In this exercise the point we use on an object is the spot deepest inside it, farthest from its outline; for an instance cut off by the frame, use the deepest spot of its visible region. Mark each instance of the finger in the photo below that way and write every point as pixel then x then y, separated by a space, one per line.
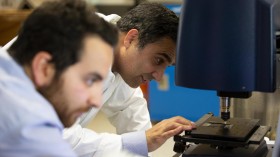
pixel 174 125
pixel 183 120
pixel 173 132
pixel 193 125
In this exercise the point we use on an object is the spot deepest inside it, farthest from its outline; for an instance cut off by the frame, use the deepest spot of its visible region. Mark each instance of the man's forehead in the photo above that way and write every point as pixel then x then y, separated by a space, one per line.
pixel 168 46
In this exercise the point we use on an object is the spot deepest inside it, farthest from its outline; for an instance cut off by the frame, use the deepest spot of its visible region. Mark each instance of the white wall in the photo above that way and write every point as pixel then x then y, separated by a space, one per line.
pixel 167 1
pixel 130 2
pixel 112 2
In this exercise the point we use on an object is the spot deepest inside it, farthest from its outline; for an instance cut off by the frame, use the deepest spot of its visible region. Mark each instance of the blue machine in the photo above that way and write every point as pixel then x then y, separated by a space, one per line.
pixel 167 100
pixel 228 46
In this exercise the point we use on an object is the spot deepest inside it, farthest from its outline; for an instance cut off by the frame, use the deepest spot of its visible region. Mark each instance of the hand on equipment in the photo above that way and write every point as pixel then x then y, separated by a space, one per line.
pixel 165 129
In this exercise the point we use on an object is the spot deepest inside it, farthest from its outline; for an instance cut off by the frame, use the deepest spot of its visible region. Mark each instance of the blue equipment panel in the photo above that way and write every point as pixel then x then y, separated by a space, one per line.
pixel 167 100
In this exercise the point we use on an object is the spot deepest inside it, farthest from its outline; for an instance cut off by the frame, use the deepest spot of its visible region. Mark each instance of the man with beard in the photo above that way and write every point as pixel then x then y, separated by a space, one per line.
pixel 50 75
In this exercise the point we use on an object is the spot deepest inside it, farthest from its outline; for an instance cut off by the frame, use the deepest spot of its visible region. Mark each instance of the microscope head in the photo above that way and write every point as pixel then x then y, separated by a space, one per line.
pixel 228 46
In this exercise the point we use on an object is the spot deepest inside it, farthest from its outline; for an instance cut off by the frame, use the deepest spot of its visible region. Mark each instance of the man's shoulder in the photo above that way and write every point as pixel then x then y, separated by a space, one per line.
pixel 122 88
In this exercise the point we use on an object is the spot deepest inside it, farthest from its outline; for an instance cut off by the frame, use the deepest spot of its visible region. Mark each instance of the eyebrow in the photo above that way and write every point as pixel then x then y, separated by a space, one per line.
pixel 167 57
pixel 97 75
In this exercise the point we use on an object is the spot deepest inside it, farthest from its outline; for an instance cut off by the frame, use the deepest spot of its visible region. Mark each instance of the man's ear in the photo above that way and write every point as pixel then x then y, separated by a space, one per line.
pixel 132 35
pixel 42 70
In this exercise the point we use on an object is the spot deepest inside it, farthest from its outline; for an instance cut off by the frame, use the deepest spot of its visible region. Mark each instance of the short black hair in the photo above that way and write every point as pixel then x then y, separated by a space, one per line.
pixel 152 20
pixel 59 27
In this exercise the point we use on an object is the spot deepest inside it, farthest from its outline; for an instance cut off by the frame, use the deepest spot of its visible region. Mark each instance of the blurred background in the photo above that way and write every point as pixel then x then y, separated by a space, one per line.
pixel 13 12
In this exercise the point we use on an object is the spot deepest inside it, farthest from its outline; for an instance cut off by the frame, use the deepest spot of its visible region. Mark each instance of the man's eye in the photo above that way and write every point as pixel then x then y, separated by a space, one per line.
pixel 91 81
pixel 159 61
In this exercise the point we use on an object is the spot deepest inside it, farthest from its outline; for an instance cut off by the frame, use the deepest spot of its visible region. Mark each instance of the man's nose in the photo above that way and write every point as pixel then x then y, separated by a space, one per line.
pixel 158 74
pixel 95 97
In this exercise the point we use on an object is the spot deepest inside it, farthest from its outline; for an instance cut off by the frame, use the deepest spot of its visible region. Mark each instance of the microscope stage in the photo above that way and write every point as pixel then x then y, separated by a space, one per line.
pixel 237 132
pixel 213 137
pixel 235 129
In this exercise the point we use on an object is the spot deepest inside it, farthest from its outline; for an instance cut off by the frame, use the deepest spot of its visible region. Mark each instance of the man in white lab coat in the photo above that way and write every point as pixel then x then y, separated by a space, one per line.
pixel 147 42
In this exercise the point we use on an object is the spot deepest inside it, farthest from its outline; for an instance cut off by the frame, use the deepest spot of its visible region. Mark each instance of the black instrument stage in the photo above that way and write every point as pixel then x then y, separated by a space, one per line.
pixel 215 137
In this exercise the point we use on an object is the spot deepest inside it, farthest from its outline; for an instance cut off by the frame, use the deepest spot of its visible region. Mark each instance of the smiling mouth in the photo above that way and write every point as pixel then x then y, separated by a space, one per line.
pixel 143 80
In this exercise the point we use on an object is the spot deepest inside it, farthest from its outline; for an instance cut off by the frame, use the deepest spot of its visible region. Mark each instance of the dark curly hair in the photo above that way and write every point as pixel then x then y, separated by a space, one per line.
pixel 152 20
pixel 59 27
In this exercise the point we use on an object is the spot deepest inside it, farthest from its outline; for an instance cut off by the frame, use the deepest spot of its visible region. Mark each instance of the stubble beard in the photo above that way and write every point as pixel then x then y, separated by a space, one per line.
pixel 54 96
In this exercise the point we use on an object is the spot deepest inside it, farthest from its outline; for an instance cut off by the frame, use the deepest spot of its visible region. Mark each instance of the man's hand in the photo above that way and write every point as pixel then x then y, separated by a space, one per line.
pixel 165 129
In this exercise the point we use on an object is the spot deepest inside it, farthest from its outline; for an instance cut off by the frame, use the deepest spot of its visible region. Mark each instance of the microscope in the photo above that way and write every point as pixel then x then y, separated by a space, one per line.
pixel 229 46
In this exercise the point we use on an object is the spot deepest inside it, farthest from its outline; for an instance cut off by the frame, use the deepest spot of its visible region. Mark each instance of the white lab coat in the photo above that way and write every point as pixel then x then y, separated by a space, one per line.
pixel 125 108
pixel 127 111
